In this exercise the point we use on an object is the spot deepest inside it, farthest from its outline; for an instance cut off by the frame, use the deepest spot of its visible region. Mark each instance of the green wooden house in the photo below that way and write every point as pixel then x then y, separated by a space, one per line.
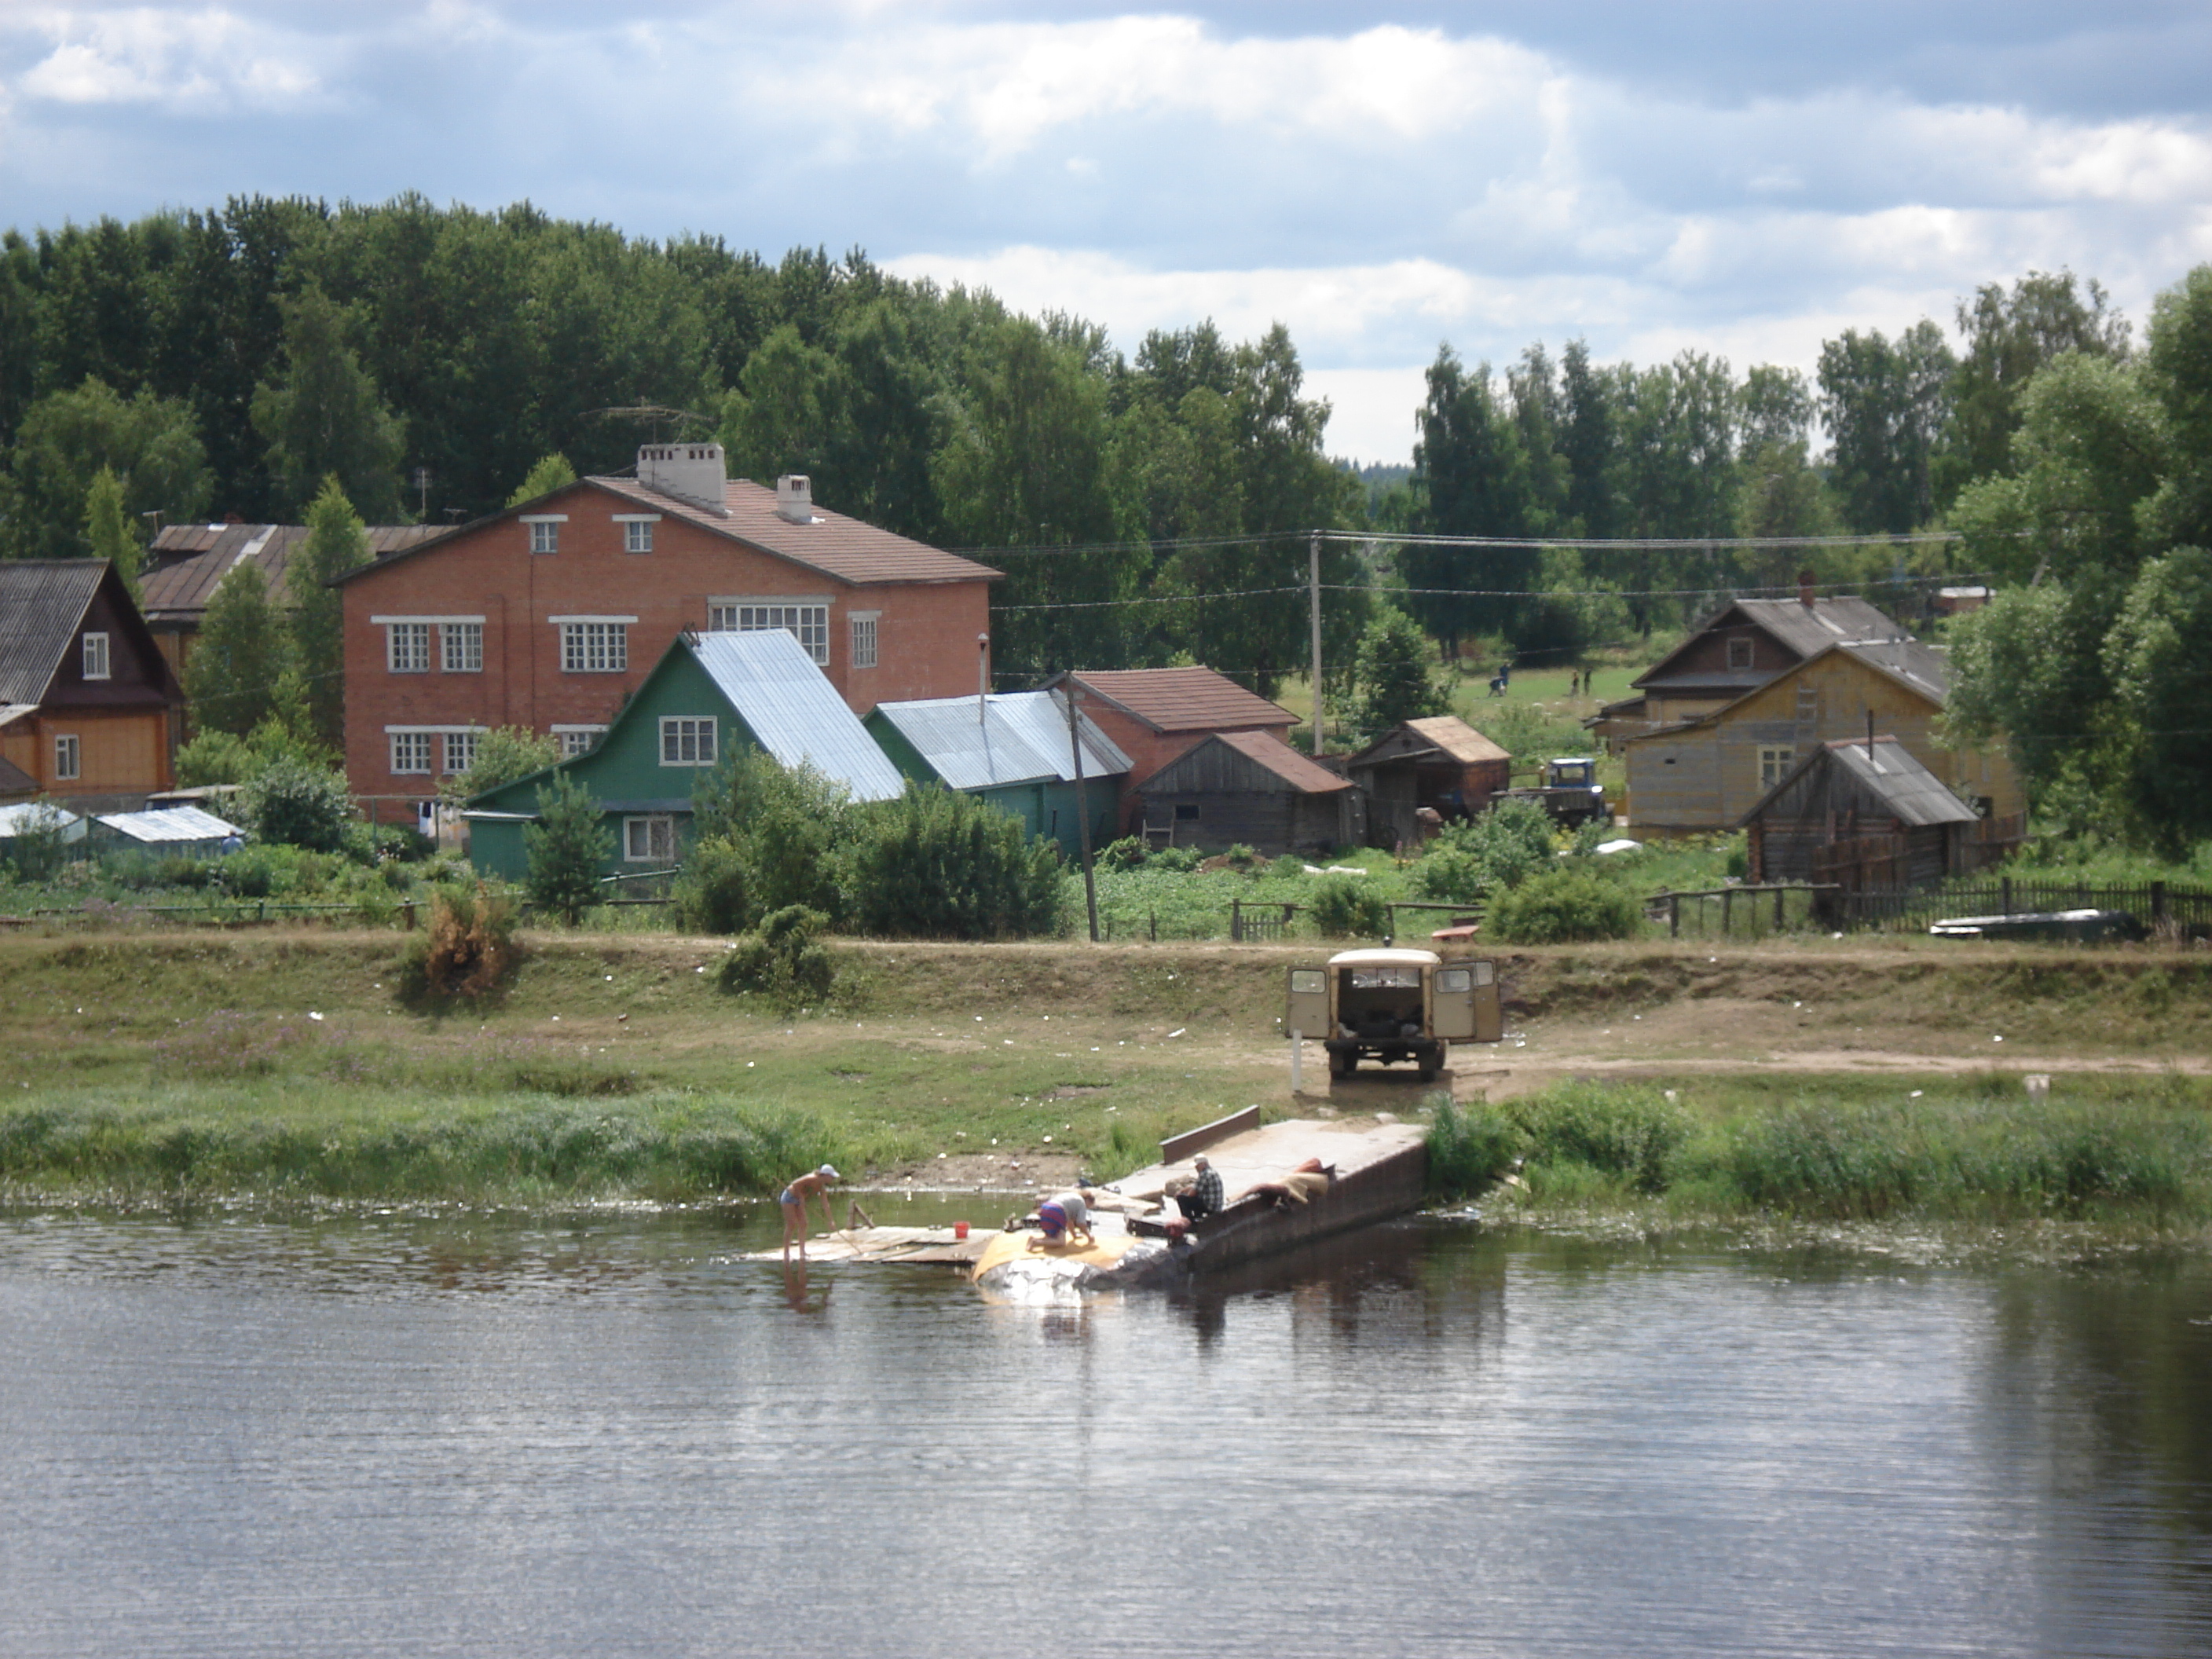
pixel 708 693
pixel 1012 749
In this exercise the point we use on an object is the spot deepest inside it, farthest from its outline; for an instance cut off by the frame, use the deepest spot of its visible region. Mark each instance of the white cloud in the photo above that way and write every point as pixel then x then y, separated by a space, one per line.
pixel 197 61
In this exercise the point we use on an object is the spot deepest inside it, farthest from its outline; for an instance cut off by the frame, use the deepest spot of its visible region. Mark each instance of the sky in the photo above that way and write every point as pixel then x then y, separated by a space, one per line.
pixel 1741 179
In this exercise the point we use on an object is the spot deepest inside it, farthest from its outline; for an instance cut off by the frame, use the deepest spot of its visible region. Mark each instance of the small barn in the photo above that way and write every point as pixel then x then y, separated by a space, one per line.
pixel 1012 749
pixel 1855 803
pixel 1252 789
pixel 1443 764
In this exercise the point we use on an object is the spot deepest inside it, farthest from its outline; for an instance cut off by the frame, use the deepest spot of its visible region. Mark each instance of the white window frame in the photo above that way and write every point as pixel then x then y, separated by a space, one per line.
pixel 460 647
pixel 69 757
pixel 580 634
pixel 689 740
pixel 577 740
pixel 408 744
pixel 407 647
pixel 464 739
pixel 95 659
pixel 1775 761
pixel 647 824
pixel 864 637
pixel 637 531
pixel 804 617
pixel 544 531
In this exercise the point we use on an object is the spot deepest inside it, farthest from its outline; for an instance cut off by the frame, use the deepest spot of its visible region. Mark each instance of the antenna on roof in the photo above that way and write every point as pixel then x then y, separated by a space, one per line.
pixel 658 413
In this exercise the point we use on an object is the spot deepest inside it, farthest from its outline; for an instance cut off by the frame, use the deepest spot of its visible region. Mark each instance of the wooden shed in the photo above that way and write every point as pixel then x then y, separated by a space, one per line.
pixel 1253 789
pixel 1857 802
pixel 1443 764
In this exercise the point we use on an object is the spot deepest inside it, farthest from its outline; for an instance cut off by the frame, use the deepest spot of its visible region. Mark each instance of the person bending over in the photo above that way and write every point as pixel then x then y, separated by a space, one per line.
pixel 1064 1218
pixel 793 1199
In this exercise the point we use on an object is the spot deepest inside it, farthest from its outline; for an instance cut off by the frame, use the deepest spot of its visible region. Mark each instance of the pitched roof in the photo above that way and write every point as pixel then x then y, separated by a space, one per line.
pixel 844 548
pixel 168 824
pixel 1180 699
pixel 42 602
pixel 1458 739
pixel 793 709
pixel 1806 629
pixel 190 559
pixel 1885 769
pixel 1022 738
pixel 1262 749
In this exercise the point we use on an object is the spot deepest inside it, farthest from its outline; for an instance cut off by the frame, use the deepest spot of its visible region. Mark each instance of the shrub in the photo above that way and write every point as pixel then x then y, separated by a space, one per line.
pixel 468 950
pixel 504 754
pixel 1344 907
pixel 1562 905
pixel 714 893
pixel 937 864
pixel 782 960
pixel 1243 857
pixel 1470 1147
pixel 1498 848
pixel 1127 853
pixel 1629 1132
pixel 36 851
pixel 788 825
pixel 298 803
pixel 250 874
pixel 1287 867
pixel 565 847
pixel 1181 860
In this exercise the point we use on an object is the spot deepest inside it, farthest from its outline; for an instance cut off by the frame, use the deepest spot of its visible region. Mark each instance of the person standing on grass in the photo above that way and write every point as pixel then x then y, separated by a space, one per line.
pixel 793 1199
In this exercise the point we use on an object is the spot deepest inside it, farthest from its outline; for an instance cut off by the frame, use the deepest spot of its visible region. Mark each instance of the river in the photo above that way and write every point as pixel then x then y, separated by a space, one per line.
pixel 232 1434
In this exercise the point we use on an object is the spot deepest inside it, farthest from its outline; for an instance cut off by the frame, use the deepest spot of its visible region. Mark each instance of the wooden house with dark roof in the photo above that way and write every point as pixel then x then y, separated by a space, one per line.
pixel 89 710
pixel 1441 764
pixel 547 615
pixel 1253 789
pixel 1154 715
pixel 1857 801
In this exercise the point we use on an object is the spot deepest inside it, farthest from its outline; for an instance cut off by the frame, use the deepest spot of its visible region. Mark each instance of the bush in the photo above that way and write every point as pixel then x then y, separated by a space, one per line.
pixel 1346 907
pixel 468 951
pixel 1629 1133
pixel 298 803
pixel 1470 1147
pixel 714 893
pixel 787 825
pixel 1287 867
pixel 1563 906
pixel 937 864
pixel 565 847
pixel 1243 857
pixel 1181 860
pixel 250 874
pixel 1127 853
pixel 782 960
pixel 1498 848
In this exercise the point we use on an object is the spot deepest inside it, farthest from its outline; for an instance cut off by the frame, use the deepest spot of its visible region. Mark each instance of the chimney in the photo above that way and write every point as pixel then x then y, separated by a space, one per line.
pixel 691 472
pixel 794 499
pixel 1805 588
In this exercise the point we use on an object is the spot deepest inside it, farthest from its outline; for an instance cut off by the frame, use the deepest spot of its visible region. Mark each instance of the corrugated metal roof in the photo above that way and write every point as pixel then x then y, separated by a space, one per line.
pixel 1021 737
pixel 168 823
pixel 190 559
pixel 1921 665
pixel 794 711
pixel 42 601
pixel 1909 790
pixel 1181 699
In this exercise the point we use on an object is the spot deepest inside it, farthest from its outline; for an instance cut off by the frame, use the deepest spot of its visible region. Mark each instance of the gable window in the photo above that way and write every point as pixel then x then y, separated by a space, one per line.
pixel 686 741
pixel 1774 765
pixel 407 648
pixel 637 531
pixel 1739 652
pixel 649 840
pixel 68 755
pixel 464 647
pixel 460 751
pixel 544 531
pixel 594 644
pixel 805 621
pixel 410 752
pixel 864 638
pixel 577 739
pixel 95 656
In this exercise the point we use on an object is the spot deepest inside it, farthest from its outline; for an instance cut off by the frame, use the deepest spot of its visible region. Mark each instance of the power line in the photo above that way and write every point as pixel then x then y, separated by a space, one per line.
pixel 1419 539
pixel 1733 591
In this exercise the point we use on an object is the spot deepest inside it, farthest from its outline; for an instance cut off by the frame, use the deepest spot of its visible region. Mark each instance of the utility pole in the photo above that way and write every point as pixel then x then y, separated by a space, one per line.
pixel 1082 812
pixel 1313 583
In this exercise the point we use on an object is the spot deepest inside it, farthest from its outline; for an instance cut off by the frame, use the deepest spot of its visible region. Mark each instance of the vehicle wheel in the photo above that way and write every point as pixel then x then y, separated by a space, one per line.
pixel 1341 1064
pixel 1428 1073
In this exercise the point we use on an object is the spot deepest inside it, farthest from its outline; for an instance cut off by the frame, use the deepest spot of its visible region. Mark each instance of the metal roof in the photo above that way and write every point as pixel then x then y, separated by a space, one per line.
pixel 1806 629
pixel 169 823
pixel 1385 957
pixel 1886 770
pixel 42 603
pixel 1020 737
pixel 189 560
pixel 794 711
pixel 32 814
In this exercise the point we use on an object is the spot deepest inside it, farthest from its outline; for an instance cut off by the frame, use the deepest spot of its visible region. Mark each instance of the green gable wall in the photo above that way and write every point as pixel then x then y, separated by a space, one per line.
pixel 1045 809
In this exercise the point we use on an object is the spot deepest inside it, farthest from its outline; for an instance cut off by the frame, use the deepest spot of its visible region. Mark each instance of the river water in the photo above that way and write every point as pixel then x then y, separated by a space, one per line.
pixel 226 1434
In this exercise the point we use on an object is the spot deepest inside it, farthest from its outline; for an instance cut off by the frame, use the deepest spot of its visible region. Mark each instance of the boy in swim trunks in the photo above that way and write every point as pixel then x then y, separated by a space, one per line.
pixel 793 1199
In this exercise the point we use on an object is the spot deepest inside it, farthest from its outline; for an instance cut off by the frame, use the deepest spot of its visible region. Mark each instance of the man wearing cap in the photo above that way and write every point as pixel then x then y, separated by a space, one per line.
pixel 1204 1197
pixel 793 1199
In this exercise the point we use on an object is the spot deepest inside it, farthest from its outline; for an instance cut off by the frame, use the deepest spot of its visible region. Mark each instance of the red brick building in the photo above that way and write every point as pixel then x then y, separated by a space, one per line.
pixel 549 615
pixel 1155 715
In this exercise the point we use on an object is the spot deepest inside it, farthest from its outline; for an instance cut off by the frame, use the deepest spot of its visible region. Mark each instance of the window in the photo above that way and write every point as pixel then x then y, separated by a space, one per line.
pixel 577 739
pixel 464 647
pixel 864 639
pixel 1739 652
pixel 637 536
pixel 649 840
pixel 1186 811
pixel 95 656
pixel 1308 981
pixel 807 624
pixel 1774 766
pixel 460 751
pixel 410 752
pixel 1808 703
pixel 545 531
pixel 594 647
pixel 67 756
pixel 408 647
pixel 685 741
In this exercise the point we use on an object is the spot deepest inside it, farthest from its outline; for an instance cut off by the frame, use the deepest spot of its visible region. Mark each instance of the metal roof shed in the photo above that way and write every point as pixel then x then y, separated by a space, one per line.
pixel 1850 791
pixel 1012 750
pixel 168 830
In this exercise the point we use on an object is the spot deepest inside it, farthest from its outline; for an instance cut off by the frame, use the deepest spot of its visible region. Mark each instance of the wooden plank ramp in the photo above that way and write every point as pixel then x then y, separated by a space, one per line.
pixel 932 1246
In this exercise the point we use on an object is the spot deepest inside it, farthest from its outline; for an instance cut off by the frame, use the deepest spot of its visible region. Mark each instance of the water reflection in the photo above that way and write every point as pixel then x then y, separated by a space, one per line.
pixel 232 1433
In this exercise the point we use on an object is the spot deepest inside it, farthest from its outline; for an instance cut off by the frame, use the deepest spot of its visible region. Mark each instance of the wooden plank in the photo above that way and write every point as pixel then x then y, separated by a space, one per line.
pixel 1176 1148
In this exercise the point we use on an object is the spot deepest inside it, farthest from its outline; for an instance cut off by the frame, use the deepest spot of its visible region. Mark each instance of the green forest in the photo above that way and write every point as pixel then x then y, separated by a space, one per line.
pixel 1154 506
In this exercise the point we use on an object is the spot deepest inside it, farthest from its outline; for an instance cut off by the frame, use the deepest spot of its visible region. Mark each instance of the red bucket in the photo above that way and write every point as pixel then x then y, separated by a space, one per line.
pixel 960 1230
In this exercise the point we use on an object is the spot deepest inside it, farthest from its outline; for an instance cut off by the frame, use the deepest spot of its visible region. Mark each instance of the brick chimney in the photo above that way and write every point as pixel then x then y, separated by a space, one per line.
pixel 1805 588
pixel 691 472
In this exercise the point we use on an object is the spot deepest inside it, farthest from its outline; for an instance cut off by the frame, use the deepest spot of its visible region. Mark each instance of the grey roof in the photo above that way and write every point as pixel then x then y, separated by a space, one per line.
pixel 1919 665
pixel 190 560
pixel 1885 769
pixel 32 814
pixel 1806 629
pixel 1021 737
pixel 794 711
pixel 42 601
pixel 168 824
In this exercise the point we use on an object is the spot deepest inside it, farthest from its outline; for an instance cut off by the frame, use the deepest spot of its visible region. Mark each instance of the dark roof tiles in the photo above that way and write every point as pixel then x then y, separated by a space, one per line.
pixel 1182 699
pixel 42 601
